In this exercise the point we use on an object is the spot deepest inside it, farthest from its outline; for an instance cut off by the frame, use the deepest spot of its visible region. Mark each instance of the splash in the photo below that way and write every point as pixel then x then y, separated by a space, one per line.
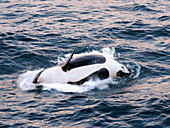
pixel 25 79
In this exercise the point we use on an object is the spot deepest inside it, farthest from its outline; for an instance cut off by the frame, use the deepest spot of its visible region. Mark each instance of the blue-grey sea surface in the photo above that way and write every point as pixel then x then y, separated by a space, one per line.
pixel 37 34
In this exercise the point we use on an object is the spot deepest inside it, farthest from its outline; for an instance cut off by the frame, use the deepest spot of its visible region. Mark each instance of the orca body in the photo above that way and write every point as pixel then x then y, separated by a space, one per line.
pixel 81 69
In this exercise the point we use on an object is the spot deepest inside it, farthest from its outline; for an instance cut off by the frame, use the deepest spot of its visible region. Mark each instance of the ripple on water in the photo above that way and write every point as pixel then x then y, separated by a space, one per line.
pixel 40 34
pixel 135 7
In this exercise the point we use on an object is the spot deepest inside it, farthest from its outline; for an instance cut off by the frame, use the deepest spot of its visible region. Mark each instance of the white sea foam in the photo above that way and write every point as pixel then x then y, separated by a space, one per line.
pixel 25 79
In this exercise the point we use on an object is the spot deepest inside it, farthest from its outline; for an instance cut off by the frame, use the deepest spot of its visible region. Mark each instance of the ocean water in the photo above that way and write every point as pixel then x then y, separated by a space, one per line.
pixel 37 34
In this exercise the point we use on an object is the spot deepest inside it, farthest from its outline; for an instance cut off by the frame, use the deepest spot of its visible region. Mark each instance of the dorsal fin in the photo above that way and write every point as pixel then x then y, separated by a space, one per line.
pixel 65 66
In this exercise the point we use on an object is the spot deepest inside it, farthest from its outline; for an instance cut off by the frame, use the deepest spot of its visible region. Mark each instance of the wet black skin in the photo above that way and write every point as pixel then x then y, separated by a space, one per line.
pixel 100 74
pixel 88 60
pixel 36 77
pixel 122 74
pixel 84 61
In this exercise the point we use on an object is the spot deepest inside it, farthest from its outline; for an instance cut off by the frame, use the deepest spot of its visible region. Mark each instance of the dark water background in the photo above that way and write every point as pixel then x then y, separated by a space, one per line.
pixel 33 33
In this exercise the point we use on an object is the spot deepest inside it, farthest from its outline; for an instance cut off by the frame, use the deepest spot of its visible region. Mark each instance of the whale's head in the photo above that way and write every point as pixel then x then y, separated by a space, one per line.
pixel 122 72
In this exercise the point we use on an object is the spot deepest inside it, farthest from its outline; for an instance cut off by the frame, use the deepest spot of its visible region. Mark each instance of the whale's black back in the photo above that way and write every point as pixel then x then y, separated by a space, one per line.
pixel 86 60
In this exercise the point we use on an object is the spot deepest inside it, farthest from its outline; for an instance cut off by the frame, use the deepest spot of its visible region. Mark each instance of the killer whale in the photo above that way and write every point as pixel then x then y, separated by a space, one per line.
pixel 81 69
